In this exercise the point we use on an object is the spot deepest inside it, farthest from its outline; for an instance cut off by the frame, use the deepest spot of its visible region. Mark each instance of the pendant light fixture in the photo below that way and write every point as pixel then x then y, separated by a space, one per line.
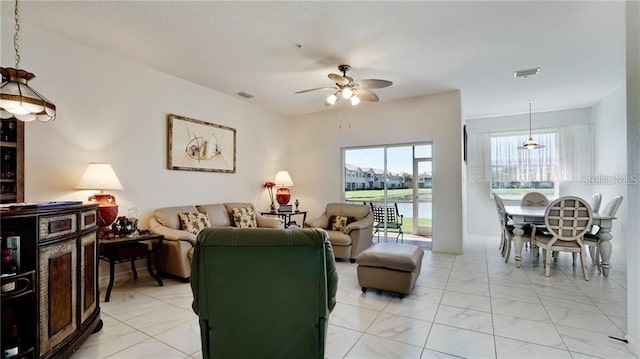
pixel 530 144
pixel 17 98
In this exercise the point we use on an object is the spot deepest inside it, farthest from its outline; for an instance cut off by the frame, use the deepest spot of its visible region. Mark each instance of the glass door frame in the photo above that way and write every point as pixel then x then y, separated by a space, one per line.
pixel 418 230
pixel 414 159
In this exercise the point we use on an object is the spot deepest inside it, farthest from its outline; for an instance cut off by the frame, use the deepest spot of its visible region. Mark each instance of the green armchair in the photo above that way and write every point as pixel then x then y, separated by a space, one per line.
pixel 263 293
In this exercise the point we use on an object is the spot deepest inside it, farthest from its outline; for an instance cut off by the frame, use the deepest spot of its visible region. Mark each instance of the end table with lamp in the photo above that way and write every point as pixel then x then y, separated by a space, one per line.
pixel 286 217
pixel 129 248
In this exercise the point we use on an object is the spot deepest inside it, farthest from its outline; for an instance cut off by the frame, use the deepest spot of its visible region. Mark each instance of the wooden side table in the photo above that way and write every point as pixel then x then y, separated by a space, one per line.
pixel 124 249
pixel 286 217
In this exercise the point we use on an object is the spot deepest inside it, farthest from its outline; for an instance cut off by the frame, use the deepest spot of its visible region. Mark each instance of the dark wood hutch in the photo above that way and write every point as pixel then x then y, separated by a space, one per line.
pixel 53 296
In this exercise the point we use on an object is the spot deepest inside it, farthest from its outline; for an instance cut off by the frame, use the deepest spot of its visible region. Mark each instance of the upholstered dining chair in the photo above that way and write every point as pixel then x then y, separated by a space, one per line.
pixel 595 201
pixel 591 238
pixel 567 220
pixel 534 199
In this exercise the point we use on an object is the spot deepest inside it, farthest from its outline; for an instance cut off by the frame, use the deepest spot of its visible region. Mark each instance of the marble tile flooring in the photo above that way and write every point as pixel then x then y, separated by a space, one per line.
pixel 472 305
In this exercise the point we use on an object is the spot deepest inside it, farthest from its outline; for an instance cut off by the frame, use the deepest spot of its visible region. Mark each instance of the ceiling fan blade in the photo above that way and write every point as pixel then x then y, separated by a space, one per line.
pixel 366 95
pixel 374 84
pixel 317 88
pixel 340 80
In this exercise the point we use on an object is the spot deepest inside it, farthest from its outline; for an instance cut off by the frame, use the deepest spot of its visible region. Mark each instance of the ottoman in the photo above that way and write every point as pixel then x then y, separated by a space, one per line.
pixel 390 267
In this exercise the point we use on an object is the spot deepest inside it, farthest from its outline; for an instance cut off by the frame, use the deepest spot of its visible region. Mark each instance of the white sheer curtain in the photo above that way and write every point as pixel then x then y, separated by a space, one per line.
pixel 567 155
pixel 511 164
pixel 479 157
pixel 575 152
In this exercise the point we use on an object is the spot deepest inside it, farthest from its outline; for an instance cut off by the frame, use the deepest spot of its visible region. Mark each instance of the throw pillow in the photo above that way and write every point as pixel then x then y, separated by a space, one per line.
pixel 339 223
pixel 244 217
pixel 194 222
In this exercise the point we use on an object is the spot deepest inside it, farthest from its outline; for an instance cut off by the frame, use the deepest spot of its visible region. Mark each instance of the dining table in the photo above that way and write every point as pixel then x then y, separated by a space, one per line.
pixel 521 215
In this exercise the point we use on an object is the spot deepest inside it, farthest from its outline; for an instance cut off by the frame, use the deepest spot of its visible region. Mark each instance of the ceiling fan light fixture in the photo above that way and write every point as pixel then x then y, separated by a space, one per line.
pixel 346 87
pixel 347 93
pixel 331 99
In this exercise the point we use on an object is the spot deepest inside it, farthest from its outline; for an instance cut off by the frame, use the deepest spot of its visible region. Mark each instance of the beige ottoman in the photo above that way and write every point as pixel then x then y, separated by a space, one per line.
pixel 390 267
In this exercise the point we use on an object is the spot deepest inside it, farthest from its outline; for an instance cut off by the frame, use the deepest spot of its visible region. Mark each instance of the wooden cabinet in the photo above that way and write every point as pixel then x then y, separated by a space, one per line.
pixel 11 161
pixel 53 297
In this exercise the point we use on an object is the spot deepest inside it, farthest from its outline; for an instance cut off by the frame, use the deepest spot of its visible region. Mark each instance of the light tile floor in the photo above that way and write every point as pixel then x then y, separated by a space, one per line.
pixel 472 305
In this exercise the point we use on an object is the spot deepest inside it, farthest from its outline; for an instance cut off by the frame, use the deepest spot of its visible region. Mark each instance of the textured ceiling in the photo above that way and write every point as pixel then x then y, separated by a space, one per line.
pixel 423 47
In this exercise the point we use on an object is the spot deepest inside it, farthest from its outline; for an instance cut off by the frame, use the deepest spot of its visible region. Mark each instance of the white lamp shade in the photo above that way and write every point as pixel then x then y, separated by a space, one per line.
pixel 283 179
pixel 354 100
pixel 99 176
pixel 331 100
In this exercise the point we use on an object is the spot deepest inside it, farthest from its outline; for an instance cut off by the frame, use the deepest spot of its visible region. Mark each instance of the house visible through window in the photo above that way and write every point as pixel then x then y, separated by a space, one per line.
pixel 393 175
pixel 515 171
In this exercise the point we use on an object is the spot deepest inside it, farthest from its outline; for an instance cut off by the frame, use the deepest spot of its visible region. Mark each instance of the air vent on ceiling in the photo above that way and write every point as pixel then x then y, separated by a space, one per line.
pixel 526 73
pixel 244 94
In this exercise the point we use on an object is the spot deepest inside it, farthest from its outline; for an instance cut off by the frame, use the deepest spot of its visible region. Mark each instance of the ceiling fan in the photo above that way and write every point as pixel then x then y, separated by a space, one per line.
pixel 349 89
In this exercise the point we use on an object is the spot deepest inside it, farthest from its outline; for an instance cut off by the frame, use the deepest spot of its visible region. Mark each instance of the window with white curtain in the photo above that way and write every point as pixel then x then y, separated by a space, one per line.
pixel 515 171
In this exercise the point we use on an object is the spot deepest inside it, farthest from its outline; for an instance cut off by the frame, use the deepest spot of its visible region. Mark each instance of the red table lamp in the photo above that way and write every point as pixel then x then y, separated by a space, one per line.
pixel 100 176
pixel 283 180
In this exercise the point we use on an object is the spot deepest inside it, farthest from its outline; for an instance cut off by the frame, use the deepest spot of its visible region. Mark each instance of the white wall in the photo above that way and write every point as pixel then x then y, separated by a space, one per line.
pixel 633 149
pixel 610 162
pixel 114 111
pixel 481 215
pixel 314 158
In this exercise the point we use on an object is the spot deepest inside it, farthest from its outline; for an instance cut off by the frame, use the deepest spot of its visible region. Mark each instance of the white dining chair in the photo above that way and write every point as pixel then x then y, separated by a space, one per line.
pixel 591 238
pixel 506 236
pixel 567 220
pixel 595 201
pixel 534 199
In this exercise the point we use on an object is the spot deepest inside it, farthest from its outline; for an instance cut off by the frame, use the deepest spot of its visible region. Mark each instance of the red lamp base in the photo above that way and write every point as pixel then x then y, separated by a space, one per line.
pixel 107 213
pixel 283 195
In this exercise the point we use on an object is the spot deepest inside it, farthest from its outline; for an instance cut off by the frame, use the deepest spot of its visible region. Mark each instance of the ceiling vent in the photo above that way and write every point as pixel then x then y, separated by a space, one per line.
pixel 526 73
pixel 244 94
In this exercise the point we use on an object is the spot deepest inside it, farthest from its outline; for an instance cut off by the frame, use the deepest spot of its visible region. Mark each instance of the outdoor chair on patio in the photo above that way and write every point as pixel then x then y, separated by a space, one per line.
pixel 388 217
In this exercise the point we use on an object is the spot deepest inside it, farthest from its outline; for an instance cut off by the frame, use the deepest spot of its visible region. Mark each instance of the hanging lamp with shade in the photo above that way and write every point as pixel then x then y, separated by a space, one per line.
pixel 530 144
pixel 17 98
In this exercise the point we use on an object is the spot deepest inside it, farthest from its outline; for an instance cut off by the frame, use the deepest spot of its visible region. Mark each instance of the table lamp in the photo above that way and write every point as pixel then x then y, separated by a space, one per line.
pixel 283 195
pixel 100 176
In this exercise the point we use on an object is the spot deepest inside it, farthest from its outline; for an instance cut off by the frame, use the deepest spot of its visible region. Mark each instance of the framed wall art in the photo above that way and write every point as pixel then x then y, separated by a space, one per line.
pixel 195 145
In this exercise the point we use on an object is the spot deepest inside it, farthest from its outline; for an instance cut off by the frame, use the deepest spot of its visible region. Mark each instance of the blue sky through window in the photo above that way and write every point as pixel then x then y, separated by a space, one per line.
pixel 399 158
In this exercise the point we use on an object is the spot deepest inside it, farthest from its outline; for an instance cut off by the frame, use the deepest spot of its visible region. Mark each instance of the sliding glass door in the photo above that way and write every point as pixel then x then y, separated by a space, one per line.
pixel 392 175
